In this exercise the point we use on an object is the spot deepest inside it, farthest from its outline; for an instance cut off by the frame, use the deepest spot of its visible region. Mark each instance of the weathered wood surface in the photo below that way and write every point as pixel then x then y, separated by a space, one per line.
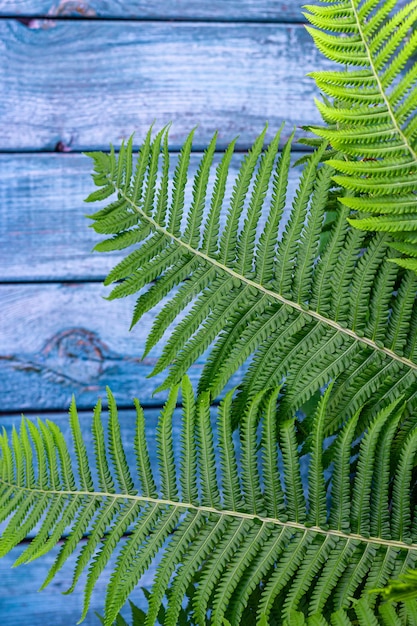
pixel 242 10
pixel 271 10
pixel 43 232
pixel 63 339
pixel 21 603
pixel 60 339
pixel 80 85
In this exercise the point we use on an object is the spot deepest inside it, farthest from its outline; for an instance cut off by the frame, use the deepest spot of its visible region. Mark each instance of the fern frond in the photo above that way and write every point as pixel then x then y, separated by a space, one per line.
pixel 372 119
pixel 310 557
pixel 402 589
pixel 294 312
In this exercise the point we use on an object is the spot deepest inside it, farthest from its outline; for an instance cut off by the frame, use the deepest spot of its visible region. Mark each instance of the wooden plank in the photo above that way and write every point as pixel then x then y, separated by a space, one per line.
pixel 271 10
pixel 21 603
pixel 43 232
pixel 80 85
pixel 165 9
pixel 127 419
pixel 62 339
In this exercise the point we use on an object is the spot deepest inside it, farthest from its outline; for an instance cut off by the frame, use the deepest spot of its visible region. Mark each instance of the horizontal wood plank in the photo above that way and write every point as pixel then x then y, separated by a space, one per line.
pixel 165 9
pixel 43 232
pixel 127 420
pixel 62 339
pixel 276 10
pixel 22 603
pixel 80 85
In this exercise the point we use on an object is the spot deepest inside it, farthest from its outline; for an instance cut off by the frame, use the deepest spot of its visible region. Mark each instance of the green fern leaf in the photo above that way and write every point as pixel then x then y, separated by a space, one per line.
pixel 297 558
pixel 372 116
pixel 292 311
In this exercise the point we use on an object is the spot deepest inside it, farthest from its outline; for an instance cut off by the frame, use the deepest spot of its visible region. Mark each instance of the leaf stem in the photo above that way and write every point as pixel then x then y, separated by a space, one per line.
pixel 388 543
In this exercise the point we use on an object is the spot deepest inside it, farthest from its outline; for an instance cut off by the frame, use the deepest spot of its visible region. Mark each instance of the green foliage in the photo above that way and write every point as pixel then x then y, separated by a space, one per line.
pixel 248 528
pixel 311 505
pixel 361 614
pixel 402 589
pixel 371 116
pixel 256 296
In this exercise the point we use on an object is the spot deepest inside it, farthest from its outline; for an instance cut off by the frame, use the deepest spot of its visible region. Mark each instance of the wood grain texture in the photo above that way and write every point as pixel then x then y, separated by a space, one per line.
pixel 43 232
pixel 271 10
pixel 21 603
pixel 81 85
pixel 62 339
pixel 165 9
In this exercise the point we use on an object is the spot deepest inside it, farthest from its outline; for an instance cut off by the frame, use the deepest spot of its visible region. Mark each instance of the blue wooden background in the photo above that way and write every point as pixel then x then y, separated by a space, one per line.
pixel 75 76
